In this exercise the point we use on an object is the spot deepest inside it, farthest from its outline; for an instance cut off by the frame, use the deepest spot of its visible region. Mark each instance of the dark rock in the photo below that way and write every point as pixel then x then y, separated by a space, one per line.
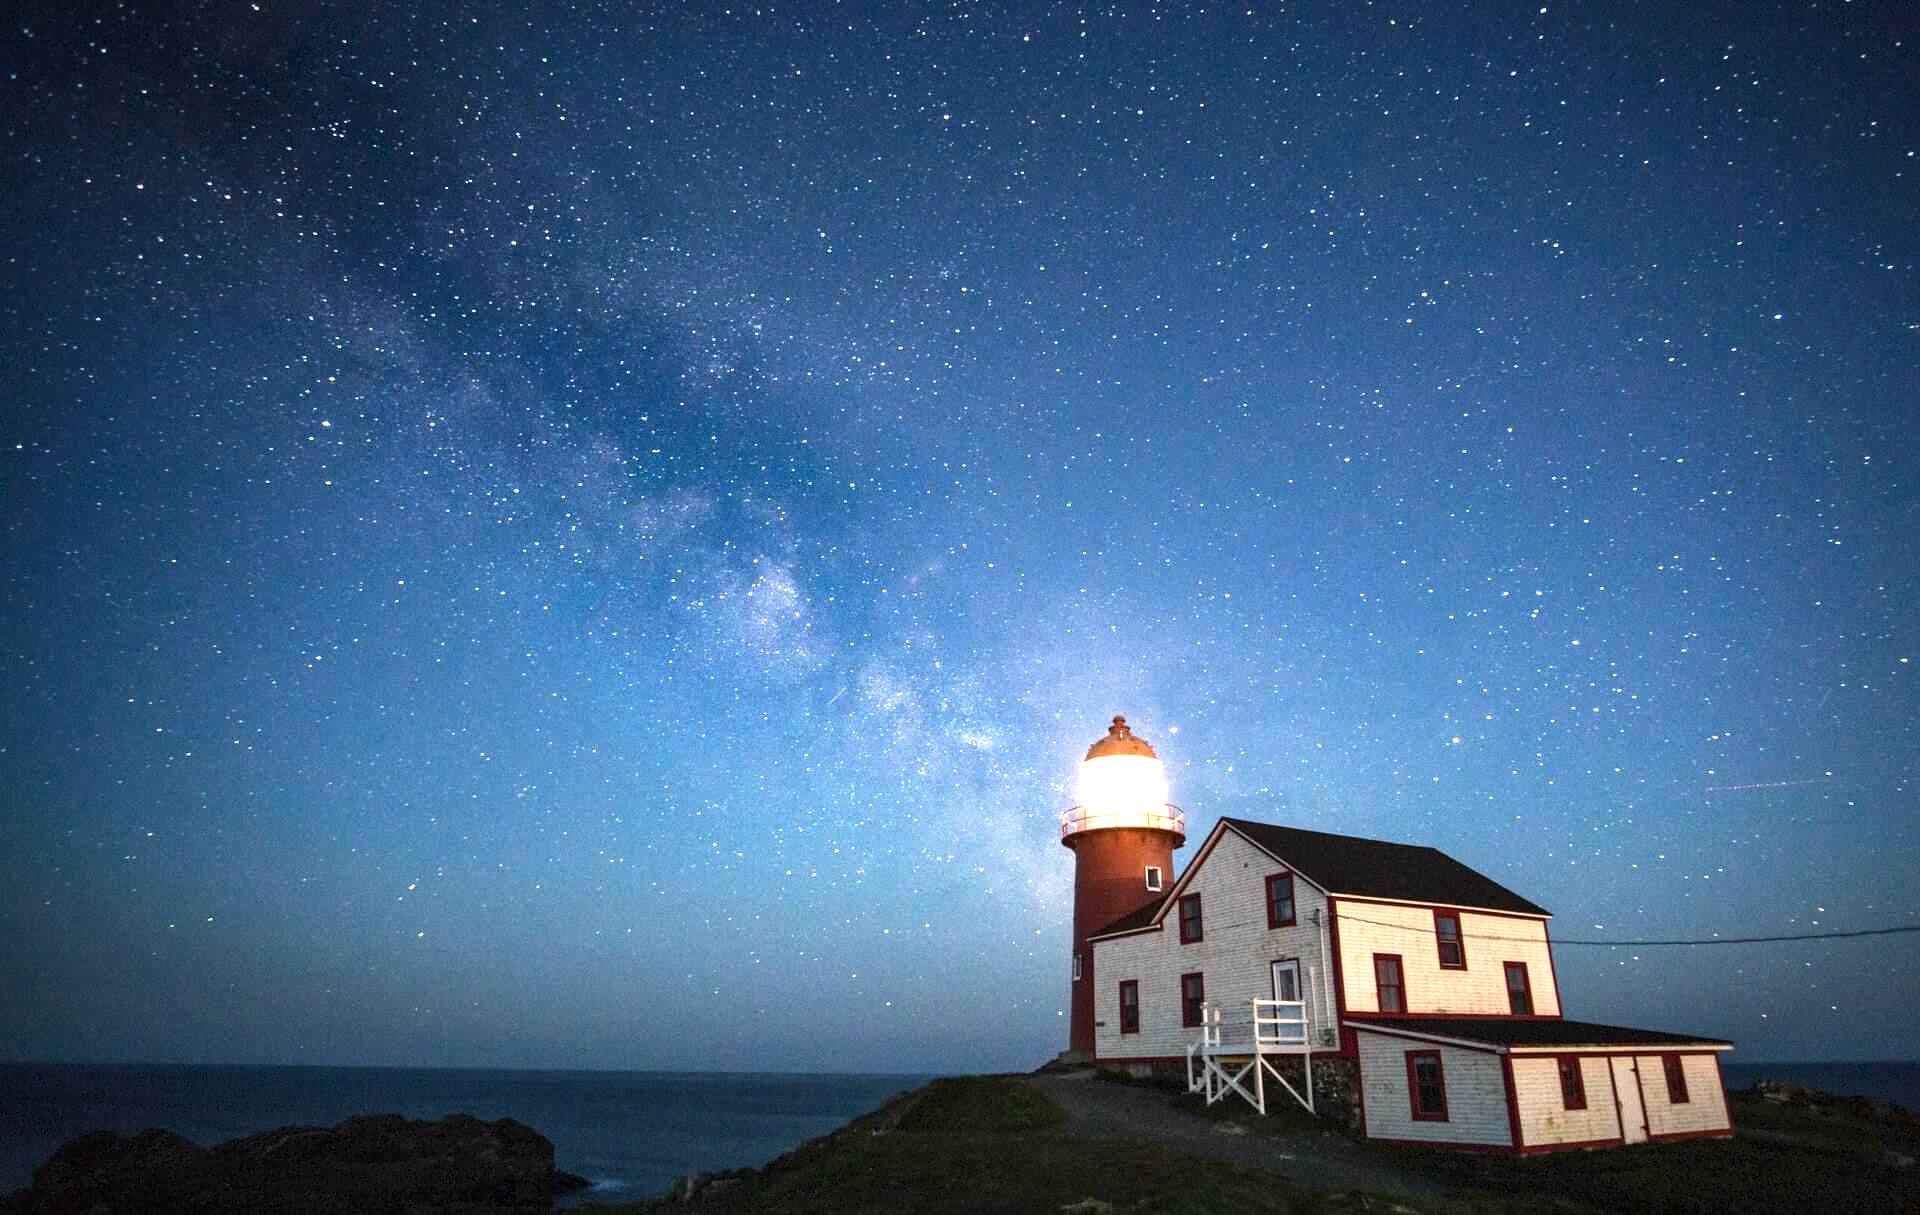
pixel 99 1168
pixel 569 1183
pixel 1867 1109
pixel 375 1165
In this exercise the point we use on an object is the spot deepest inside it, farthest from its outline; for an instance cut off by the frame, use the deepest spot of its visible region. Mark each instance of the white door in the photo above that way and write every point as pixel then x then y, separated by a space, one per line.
pixel 1286 986
pixel 1626 1096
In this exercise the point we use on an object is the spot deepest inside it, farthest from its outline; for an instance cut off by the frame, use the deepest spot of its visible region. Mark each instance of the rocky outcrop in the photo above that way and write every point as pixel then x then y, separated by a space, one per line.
pixel 456 1166
pixel 1870 1109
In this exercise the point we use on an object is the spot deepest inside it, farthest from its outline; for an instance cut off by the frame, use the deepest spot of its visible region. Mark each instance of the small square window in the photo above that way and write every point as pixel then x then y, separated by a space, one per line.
pixel 1076 968
pixel 1153 877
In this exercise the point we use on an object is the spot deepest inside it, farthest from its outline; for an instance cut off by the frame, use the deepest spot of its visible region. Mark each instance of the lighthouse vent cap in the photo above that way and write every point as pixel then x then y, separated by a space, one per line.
pixel 1120 740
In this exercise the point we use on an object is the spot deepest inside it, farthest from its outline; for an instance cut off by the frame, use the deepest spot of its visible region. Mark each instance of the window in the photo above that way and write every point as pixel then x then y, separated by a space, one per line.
pixel 1193 994
pixel 1130 1006
pixel 1573 1085
pixel 1519 991
pixel 1389 982
pixel 1280 900
pixel 1153 877
pixel 1453 949
pixel 1676 1079
pixel 1426 1086
pixel 1189 919
pixel 1076 968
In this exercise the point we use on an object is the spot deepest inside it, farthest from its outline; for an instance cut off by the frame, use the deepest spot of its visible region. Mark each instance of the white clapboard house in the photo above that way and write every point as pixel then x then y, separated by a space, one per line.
pixel 1430 986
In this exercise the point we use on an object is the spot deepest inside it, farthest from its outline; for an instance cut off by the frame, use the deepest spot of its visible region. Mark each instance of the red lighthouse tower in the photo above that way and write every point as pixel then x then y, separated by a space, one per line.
pixel 1123 833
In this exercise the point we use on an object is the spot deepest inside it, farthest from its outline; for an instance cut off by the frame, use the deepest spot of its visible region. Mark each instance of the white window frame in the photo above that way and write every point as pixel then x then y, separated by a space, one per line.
pixel 1153 878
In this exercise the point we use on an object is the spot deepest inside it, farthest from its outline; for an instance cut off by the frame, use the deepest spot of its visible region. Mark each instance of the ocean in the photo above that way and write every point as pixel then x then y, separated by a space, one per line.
pixel 1895 1082
pixel 632 1133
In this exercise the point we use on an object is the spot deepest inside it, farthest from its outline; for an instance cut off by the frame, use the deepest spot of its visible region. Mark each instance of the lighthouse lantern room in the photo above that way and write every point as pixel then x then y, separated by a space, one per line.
pixel 1123 833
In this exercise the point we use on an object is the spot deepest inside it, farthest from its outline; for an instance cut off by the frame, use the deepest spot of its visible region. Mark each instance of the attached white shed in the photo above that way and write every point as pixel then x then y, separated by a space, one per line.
pixel 1505 1084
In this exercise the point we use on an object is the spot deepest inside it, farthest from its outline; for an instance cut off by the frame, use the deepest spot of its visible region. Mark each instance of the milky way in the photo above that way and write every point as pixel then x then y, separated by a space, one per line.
pixel 597 539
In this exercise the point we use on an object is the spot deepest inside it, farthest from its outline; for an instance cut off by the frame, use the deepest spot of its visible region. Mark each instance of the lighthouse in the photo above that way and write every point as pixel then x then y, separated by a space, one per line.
pixel 1122 833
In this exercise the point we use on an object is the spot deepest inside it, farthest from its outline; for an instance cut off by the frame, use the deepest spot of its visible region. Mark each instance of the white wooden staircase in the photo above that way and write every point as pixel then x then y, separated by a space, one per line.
pixel 1236 1053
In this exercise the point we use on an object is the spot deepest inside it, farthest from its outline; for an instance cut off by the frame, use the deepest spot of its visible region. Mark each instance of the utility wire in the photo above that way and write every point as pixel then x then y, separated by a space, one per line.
pixel 1489 936
pixel 1805 936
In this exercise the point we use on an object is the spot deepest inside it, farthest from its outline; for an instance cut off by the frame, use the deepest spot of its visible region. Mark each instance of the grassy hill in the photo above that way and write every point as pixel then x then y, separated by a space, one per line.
pixel 996 1144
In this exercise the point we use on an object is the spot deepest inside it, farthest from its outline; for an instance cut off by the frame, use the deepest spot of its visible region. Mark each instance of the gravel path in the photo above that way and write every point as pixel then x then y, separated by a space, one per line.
pixel 1325 1159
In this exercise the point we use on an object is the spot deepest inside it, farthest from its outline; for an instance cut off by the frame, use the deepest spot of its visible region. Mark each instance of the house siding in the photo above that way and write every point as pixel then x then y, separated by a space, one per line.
pixel 1544 1118
pixel 1368 928
pixel 1235 955
pixel 1704 1114
pixel 1476 1094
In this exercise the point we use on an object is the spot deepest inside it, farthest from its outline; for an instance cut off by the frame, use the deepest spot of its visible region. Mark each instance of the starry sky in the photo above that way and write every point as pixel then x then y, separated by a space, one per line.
pixel 596 536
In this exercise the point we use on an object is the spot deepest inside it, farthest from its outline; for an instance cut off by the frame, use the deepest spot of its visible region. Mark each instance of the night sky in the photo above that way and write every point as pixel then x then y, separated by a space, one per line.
pixel 598 539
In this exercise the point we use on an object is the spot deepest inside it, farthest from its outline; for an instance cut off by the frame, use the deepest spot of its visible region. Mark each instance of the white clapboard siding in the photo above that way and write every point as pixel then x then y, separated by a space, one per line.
pixel 1476 1094
pixel 1544 1117
pixel 1235 954
pixel 1368 928
pixel 1706 1107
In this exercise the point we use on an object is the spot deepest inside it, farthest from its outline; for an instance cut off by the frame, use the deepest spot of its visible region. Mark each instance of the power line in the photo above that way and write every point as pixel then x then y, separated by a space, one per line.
pixel 1804 936
pixel 1490 936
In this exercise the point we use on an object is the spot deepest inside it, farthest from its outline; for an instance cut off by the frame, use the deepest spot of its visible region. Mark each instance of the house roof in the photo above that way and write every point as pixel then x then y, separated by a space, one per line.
pixel 1346 864
pixel 1501 1031
pixel 1139 918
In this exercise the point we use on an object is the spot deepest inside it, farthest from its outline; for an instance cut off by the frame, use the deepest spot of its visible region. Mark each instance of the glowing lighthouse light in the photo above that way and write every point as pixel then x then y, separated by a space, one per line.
pixel 1122 784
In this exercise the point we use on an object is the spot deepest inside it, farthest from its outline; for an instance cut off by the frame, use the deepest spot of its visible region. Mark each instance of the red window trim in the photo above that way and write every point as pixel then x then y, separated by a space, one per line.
pixel 1459 939
pixel 1125 984
pixel 1526 985
pixel 1191 1013
pixel 1676 1072
pixel 1413 1085
pixel 1400 966
pixel 1198 927
pixel 1273 905
pixel 1572 1096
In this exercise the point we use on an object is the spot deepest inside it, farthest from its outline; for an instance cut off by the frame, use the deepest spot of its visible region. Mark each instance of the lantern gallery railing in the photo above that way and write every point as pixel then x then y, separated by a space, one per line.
pixel 1154 818
pixel 1234 1054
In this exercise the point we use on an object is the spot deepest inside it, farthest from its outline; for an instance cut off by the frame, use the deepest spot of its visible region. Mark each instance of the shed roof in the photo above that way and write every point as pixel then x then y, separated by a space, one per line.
pixel 1517 1032
pixel 1347 864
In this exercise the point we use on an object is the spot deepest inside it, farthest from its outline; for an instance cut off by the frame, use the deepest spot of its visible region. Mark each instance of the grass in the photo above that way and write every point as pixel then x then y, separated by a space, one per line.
pixel 992 1144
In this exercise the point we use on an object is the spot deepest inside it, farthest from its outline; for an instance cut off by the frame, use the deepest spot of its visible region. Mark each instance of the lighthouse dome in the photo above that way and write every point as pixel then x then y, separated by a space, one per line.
pixel 1122 784
pixel 1120 740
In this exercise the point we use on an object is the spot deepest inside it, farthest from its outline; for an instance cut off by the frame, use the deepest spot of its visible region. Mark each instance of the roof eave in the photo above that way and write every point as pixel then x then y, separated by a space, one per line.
pixel 1540 914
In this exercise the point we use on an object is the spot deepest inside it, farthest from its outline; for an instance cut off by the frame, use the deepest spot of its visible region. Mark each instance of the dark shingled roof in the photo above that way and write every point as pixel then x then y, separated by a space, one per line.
pixel 1346 864
pixel 1499 1031
pixel 1133 919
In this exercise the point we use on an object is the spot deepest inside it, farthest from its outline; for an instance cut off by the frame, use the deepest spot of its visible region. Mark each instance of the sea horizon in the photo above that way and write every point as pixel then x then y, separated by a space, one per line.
pixel 724 1071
